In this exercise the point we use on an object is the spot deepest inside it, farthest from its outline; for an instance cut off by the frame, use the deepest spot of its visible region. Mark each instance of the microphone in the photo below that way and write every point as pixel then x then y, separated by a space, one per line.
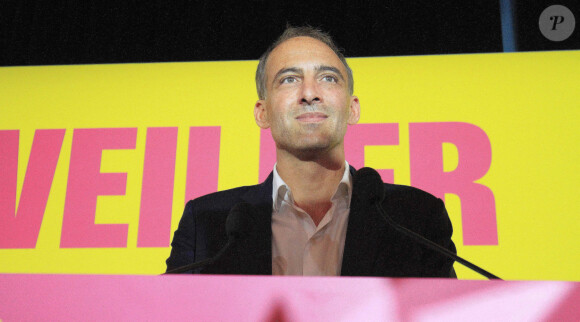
pixel 369 184
pixel 237 227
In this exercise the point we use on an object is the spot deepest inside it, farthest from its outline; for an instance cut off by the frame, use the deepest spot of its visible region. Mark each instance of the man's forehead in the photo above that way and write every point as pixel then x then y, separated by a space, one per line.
pixel 302 50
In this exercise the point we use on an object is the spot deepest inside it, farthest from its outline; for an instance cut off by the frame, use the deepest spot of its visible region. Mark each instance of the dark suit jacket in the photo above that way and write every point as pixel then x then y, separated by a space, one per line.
pixel 372 248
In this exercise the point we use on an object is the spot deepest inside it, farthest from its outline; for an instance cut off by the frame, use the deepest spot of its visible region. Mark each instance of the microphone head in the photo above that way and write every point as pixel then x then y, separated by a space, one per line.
pixel 368 185
pixel 239 223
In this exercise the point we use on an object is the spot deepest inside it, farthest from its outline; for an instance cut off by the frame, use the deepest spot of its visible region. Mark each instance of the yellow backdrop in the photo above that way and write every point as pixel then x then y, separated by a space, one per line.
pixel 526 103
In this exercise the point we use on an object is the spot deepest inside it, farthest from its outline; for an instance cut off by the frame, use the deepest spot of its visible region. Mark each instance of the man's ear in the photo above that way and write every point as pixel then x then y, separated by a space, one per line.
pixel 261 114
pixel 354 111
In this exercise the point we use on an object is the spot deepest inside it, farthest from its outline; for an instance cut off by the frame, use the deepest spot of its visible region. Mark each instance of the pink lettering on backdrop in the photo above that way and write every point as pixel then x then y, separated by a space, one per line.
pixel 203 161
pixel 356 138
pixel 361 135
pixel 478 213
pixel 157 187
pixel 86 183
pixel 20 228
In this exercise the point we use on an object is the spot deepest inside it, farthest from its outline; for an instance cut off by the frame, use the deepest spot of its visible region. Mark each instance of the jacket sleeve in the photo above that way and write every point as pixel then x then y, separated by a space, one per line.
pixel 184 240
pixel 439 230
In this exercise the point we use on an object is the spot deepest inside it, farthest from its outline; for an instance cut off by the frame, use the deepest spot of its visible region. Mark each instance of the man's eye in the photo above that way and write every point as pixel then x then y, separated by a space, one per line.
pixel 288 80
pixel 329 78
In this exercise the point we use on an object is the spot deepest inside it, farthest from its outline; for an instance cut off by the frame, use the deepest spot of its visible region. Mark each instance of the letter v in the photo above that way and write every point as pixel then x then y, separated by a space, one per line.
pixel 20 228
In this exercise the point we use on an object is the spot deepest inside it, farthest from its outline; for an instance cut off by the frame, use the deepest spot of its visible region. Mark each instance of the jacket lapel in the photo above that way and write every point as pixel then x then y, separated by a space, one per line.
pixel 362 245
pixel 365 230
pixel 255 252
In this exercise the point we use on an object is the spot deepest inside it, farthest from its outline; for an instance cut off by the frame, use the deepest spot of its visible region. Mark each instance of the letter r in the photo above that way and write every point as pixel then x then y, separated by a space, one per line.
pixel 474 150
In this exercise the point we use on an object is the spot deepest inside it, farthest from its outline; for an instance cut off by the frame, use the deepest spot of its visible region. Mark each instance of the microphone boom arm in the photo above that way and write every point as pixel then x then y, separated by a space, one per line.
pixel 438 248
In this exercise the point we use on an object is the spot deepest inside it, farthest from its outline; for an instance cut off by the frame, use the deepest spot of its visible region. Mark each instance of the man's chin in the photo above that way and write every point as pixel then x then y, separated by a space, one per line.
pixel 312 149
pixel 314 143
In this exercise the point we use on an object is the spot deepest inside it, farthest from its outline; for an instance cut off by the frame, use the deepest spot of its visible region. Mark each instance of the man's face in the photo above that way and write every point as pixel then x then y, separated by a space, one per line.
pixel 307 104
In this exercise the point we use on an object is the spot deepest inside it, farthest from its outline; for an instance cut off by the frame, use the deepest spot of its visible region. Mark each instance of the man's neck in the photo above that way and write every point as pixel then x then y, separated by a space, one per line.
pixel 312 182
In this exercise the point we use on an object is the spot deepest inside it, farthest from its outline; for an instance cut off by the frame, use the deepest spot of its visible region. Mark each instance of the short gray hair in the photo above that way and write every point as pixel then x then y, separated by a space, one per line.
pixel 293 32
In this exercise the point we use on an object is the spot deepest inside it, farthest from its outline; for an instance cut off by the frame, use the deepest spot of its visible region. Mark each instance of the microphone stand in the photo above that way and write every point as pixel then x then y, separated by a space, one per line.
pixel 422 240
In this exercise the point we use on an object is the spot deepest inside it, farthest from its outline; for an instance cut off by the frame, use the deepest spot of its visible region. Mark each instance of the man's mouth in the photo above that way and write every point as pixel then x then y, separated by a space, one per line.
pixel 312 117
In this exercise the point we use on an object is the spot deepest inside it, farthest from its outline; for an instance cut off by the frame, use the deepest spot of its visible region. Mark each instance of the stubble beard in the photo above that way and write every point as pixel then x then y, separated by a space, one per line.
pixel 309 141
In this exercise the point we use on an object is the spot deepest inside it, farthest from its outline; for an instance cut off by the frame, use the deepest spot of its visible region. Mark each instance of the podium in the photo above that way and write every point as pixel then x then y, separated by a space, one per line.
pixel 25 297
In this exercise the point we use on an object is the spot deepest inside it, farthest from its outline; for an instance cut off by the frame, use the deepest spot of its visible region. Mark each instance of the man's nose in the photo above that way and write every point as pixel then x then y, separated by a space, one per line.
pixel 310 92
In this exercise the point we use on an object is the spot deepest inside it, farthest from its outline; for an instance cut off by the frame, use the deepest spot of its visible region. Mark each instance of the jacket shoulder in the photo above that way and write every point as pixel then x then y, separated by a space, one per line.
pixel 407 192
pixel 413 207
pixel 221 200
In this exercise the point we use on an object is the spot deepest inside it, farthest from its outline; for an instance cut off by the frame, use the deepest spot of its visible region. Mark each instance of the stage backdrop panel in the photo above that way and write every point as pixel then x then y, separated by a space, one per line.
pixel 97 161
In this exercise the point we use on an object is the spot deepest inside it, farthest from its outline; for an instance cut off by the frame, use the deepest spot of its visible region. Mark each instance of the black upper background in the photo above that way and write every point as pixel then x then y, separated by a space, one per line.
pixel 529 36
pixel 89 32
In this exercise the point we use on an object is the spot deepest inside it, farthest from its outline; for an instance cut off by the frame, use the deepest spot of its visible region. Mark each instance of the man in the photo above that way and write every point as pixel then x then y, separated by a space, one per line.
pixel 307 218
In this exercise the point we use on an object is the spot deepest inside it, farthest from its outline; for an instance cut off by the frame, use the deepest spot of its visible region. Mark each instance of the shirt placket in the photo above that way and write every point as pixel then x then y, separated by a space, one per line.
pixel 313 264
